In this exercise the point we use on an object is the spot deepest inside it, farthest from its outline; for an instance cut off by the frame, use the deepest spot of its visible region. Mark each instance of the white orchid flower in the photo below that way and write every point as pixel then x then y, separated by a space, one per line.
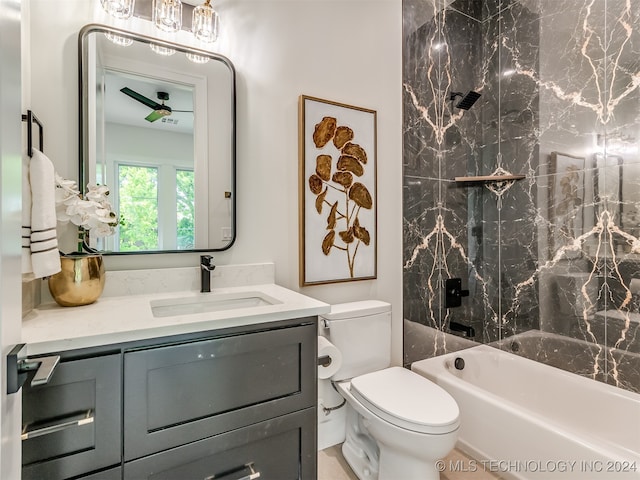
pixel 97 193
pixel 66 189
pixel 67 185
pixel 92 213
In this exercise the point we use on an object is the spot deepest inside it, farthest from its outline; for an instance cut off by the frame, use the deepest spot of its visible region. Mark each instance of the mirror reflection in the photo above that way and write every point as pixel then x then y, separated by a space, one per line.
pixel 159 131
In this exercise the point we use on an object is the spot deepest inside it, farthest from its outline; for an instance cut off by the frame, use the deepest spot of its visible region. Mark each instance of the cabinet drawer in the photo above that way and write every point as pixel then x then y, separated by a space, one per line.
pixel 71 425
pixel 182 393
pixel 111 474
pixel 283 448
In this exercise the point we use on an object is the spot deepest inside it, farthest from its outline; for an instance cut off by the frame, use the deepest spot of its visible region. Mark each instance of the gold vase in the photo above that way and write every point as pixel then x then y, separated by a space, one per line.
pixel 80 282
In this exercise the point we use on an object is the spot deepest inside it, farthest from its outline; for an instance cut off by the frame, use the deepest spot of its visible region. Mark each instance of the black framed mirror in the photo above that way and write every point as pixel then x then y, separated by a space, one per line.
pixel 157 126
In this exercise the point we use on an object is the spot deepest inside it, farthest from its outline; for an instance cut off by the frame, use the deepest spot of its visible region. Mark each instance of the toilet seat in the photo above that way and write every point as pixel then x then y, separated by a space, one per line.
pixel 407 400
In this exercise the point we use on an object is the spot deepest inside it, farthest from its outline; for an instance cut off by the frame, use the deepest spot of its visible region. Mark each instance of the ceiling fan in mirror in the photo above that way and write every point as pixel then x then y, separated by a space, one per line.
pixel 159 109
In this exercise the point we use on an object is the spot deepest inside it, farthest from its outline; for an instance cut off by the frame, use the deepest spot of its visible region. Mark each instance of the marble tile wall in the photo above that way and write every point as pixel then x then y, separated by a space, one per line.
pixel 560 104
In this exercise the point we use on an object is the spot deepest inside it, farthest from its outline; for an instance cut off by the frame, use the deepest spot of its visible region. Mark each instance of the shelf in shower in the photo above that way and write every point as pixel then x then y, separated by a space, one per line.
pixel 489 178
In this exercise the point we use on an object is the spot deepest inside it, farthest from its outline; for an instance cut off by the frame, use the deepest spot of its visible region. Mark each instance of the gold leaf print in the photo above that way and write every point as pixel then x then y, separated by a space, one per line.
pixel 343 178
pixel 327 243
pixel 339 177
pixel 361 233
pixel 315 184
pixel 342 136
pixel 347 162
pixel 359 194
pixel 324 131
pixel 355 150
pixel 347 235
pixel 320 200
pixel 323 167
pixel 331 219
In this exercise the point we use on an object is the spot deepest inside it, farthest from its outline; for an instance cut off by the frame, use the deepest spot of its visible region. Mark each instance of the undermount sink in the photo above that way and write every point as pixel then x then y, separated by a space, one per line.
pixel 210 302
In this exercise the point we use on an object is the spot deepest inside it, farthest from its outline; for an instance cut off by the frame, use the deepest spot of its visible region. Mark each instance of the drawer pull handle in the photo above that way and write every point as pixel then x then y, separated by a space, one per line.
pixel 246 470
pixel 18 367
pixel 44 365
pixel 45 428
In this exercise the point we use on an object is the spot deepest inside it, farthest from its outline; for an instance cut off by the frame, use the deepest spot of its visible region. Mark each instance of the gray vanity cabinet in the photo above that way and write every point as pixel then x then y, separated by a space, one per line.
pixel 111 474
pixel 71 425
pixel 220 404
pixel 176 394
pixel 282 448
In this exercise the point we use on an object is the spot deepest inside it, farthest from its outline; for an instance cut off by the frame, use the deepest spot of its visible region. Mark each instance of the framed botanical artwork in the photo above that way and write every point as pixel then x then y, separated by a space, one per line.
pixel 609 184
pixel 337 196
pixel 568 200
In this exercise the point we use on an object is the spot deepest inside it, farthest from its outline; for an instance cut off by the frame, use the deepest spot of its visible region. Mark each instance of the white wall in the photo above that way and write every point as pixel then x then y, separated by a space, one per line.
pixel 348 51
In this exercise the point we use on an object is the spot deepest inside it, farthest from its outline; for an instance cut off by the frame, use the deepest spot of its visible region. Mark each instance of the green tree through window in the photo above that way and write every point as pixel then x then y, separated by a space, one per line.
pixel 185 209
pixel 138 203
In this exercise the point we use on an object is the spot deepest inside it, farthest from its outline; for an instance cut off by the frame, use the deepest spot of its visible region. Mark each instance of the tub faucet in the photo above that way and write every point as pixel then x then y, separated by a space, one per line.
pixel 206 267
pixel 462 330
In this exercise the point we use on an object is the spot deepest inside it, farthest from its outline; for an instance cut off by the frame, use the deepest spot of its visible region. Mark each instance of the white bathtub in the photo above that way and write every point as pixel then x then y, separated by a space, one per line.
pixel 525 420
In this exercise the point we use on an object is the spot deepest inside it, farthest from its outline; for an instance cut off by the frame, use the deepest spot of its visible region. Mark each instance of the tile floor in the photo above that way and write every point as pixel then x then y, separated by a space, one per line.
pixel 458 466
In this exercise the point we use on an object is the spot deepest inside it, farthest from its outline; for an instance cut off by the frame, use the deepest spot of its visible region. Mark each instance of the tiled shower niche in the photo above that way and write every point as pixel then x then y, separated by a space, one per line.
pixel 553 256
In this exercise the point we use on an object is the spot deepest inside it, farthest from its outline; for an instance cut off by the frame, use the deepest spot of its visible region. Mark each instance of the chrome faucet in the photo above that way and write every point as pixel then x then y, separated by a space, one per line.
pixel 206 267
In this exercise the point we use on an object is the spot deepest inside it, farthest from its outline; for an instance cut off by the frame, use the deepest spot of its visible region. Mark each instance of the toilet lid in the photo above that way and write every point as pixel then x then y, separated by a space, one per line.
pixel 407 400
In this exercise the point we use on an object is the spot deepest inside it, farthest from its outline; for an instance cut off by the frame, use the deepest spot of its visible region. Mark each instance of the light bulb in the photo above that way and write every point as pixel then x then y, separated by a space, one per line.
pixel 160 50
pixel 122 9
pixel 205 23
pixel 167 15
pixel 197 58
pixel 118 39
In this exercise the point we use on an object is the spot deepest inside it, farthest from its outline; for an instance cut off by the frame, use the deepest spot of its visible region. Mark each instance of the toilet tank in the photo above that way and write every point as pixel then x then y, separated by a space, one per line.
pixel 362 333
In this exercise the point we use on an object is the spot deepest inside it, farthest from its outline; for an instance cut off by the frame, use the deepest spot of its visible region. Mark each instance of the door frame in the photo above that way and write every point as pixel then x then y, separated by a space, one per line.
pixel 10 228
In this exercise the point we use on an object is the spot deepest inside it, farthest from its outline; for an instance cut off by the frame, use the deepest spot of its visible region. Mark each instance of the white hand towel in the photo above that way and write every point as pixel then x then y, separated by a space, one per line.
pixel 26 216
pixel 45 257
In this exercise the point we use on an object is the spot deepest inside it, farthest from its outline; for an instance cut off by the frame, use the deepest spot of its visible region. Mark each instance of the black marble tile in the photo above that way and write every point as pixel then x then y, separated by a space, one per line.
pixel 560 103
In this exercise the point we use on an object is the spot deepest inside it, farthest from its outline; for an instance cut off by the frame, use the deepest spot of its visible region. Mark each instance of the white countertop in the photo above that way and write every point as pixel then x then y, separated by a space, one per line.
pixel 123 318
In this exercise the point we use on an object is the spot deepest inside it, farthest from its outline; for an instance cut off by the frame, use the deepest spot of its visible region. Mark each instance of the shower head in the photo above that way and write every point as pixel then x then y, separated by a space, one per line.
pixel 467 100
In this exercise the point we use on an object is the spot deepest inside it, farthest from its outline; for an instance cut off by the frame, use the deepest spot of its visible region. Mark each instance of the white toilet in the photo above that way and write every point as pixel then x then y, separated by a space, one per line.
pixel 398 422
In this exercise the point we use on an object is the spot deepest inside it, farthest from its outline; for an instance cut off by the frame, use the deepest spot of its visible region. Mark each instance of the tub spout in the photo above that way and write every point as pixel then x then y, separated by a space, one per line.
pixel 462 330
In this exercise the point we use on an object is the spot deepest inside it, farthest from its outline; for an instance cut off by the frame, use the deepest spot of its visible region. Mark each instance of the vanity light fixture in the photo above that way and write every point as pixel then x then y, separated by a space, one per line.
pixel 118 39
pixel 197 58
pixel 204 24
pixel 122 9
pixel 167 15
pixel 160 50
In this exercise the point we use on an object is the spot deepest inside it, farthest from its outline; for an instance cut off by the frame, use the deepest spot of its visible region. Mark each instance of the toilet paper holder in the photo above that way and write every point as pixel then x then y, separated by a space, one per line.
pixel 324 360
